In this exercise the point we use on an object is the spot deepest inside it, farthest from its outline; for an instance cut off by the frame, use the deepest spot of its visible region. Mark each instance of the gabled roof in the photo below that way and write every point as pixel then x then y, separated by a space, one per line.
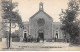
pixel 39 12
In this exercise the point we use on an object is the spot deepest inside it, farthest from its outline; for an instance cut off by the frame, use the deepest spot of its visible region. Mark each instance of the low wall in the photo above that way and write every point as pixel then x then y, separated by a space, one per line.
pixel 15 39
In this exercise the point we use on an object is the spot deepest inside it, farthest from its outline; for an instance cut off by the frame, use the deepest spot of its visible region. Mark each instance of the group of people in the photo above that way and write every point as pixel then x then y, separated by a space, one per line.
pixel 38 39
pixel 31 39
pixel 28 39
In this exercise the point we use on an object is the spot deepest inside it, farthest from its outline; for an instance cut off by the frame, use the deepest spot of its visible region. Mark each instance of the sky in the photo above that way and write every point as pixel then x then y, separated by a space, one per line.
pixel 28 8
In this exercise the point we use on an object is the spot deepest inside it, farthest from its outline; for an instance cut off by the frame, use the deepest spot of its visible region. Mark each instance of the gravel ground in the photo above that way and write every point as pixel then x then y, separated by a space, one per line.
pixel 46 46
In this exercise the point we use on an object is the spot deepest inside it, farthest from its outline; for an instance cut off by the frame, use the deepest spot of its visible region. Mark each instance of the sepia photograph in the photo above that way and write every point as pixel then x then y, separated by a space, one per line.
pixel 39 25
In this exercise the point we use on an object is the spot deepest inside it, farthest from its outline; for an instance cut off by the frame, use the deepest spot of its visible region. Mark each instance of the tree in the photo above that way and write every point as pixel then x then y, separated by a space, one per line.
pixel 11 16
pixel 8 13
pixel 69 19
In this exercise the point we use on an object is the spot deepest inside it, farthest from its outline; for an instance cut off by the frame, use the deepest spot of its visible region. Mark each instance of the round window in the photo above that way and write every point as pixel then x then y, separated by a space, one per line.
pixel 41 22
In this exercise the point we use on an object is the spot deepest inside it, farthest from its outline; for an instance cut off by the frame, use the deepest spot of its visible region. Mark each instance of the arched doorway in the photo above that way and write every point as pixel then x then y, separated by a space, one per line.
pixel 56 34
pixel 41 34
pixel 25 35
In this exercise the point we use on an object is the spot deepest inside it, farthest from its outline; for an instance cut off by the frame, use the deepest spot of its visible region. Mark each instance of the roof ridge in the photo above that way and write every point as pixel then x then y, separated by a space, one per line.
pixel 40 11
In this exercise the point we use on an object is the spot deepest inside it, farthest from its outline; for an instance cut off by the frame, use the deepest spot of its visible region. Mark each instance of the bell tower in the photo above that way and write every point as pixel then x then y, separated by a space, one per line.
pixel 41 6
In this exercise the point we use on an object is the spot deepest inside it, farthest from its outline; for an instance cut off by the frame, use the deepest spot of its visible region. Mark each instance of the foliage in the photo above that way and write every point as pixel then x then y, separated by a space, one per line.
pixel 69 19
pixel 8 13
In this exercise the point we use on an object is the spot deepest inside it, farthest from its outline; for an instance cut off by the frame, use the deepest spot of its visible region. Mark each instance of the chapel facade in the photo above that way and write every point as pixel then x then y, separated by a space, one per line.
pixel 42 26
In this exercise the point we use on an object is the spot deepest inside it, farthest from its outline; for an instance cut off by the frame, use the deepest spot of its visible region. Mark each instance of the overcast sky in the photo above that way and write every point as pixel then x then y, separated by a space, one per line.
pixel 27 8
